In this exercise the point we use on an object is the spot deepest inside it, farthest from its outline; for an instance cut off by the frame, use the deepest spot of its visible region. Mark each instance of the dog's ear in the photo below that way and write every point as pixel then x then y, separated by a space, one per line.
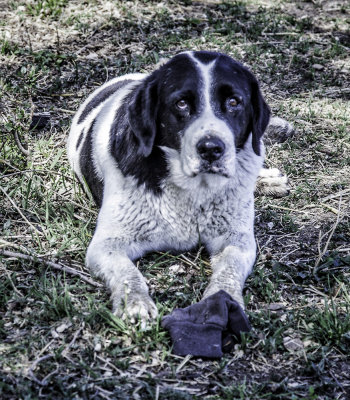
pixel 260 116
pixel 142 114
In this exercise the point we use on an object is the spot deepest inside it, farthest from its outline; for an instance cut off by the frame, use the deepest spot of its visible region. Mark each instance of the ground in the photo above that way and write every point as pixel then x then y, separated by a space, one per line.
pixel 58 336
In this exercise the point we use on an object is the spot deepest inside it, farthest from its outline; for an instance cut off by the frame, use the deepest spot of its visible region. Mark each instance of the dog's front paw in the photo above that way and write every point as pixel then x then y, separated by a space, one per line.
pixel 272 182
pixel 228 287
pixel 135 306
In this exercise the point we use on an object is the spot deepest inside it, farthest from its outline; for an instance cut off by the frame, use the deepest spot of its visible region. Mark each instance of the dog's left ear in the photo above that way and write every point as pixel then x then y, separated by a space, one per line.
pixel 142 114
pixel 260 117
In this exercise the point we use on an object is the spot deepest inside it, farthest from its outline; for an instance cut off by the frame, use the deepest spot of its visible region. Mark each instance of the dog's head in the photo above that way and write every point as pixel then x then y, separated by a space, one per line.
pixel 200 108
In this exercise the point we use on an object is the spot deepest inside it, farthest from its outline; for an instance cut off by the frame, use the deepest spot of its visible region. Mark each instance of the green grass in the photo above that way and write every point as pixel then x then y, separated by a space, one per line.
pixel 58 336
pixel 45 8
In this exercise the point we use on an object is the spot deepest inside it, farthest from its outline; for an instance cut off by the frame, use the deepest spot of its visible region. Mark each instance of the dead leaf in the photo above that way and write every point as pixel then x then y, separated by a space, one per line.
pixel 293 344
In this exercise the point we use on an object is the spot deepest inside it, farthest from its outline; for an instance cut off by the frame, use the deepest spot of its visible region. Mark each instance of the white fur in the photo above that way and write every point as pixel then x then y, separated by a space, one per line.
pixel 272 182
pixel 206 124
pixel 76 129
pixel 214 209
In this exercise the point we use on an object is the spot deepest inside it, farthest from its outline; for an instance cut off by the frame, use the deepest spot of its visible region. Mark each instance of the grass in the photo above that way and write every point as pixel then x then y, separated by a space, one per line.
pixel 58 336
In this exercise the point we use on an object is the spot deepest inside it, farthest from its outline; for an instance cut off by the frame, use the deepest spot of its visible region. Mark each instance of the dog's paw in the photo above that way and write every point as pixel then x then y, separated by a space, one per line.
pixel 229 287
pixel 272 182
pixel 136 307
pixel 278 131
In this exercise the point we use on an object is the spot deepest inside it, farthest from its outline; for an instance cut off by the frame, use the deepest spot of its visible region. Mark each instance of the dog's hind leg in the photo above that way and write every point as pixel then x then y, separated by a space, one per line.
pixel 278 131
pixel 271 181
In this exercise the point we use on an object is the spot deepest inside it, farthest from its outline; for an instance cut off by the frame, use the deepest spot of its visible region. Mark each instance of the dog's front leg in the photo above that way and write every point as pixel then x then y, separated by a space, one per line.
pixel 231 266
pixel 109 259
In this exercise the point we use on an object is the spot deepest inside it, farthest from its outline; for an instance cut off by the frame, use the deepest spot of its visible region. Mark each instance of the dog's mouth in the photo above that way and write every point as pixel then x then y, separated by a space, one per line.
pixel 192 167
pixel 211 170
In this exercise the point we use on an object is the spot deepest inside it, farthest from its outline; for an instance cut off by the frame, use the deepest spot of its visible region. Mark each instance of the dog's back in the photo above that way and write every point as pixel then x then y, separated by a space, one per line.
pixel 86 151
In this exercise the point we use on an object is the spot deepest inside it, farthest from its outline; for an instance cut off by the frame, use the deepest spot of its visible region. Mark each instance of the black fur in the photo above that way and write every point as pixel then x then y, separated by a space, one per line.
pixel 100 97
pixel 142 114
pixel 144 122
pixel 80 139
pixel 125 148
pixel 87 168
pixel 151 112
pixel 148 117
pixel 261 116
pixel 252 113
pixel 206 57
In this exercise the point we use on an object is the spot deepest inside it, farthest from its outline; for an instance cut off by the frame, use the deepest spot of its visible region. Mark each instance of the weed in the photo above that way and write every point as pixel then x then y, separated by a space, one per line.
pixel 45 8
pixel 59 337
pixel 330 325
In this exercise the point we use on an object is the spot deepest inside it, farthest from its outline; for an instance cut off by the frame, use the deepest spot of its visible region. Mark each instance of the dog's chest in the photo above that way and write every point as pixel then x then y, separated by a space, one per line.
pixel 181 220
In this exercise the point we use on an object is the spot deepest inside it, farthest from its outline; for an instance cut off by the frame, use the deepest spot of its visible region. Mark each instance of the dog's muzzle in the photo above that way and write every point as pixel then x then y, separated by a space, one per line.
pixel 210 148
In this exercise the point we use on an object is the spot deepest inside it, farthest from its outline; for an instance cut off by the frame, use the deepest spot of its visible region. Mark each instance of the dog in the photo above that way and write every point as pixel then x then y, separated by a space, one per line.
pixel 172 159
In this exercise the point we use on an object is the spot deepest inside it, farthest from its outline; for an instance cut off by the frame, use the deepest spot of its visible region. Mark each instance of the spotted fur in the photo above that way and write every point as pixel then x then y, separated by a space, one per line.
pixel 134 144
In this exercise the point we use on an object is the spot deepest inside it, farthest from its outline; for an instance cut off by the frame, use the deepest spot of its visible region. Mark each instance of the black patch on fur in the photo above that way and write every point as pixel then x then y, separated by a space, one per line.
pixel 87 168
pixel 80 139
pixel 142 113
pixel 252 114
pixel 148 119
pixel 101 97
pixel 261 116
pixel 124 147
pixel 206 57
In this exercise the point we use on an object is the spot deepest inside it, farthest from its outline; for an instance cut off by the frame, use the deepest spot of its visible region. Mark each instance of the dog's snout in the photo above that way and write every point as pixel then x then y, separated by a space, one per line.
pixel 210 148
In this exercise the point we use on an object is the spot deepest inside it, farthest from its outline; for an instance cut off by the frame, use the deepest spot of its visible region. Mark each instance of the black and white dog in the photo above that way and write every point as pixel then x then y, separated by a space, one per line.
pixel 172 158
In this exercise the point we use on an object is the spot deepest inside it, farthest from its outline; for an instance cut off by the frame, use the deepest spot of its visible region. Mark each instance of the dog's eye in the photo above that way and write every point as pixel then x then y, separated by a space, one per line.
pixel 182 105
pixel 231 103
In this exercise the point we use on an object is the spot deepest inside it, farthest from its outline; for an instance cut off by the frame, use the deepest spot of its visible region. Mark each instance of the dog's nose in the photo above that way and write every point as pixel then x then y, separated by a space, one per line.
pixel 210 148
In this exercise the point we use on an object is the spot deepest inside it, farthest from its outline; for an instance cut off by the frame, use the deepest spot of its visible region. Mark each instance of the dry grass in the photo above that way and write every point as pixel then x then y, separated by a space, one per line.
pixel 59 339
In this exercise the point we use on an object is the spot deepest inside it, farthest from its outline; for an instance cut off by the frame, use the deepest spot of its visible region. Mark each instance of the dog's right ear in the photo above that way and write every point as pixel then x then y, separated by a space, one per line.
pixel 142 114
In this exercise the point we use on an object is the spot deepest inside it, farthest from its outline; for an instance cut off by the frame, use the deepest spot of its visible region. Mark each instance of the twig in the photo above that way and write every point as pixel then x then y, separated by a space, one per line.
pixel 104 393
pixel 34 365
pixel 62 95
pixel 77 333
pixel 2 161
pixel 13 285
pixel 281 33
pixel 45 381
pixel 20 212
pixel 66 111
pixel 184 362
pixel 331 233
pixel 333 196
pixel 42 351
pixel 330 208
pixel 337 382
pixel 120 372
pixel 157 393
pixel 4 243
pixel 39 360
pixel 59 267
pixel 25 151
pixel 284 208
